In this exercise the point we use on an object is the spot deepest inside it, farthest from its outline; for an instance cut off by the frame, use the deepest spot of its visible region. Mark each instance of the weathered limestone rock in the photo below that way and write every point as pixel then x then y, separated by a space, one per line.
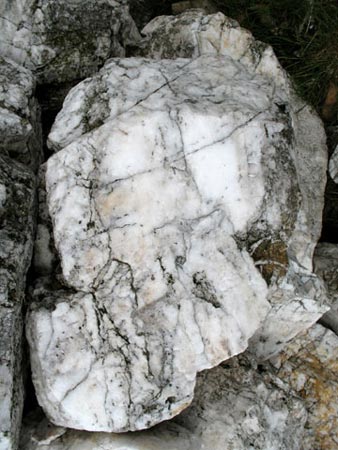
pixel 166 183
pixel 17 200
pixel 295 296
pixel 326 266
pixel 19 115
pixel 65 40
pixel 235 406
pixel 309 366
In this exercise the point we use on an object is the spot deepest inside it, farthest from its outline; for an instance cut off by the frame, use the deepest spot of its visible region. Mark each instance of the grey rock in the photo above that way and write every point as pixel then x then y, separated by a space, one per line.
pixel 17 205
pixel 308 365
pixel 19 115
pixel 45 261
pixel 333 166
pixel 65 40
pixel 235 406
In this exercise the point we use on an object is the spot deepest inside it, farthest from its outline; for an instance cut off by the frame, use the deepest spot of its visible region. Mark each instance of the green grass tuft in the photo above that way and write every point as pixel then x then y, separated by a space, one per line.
pixel 304 36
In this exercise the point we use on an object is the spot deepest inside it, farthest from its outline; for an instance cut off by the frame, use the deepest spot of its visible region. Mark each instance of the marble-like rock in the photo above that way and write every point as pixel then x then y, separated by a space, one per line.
pixel 295 297
pixel 235 406
pixel 65 40
pixel 295 293
pixel 326 266
pixel 19 115
pixel 333 166
pixel 309 366
pixel 17 203
pixel 176 182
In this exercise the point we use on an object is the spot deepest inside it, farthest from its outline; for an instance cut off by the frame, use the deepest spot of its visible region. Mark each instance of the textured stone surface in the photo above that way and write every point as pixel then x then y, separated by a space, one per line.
pixel 309 366
pixel 326 266
pixel 45 261
pixel 156 236
pixel 235 406
pixel 65 40
pixel 19 114
pixel 17 199
pixel 333 166
pixel 192 34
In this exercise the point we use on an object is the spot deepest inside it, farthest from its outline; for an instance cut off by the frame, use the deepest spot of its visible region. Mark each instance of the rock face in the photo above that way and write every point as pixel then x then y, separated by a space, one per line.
pixel 176 181
pixel 20 134
pixel 235 406
pixel 17 201
pixel 65 40
pixel 309 366
pixel 296 296
pixel 19 115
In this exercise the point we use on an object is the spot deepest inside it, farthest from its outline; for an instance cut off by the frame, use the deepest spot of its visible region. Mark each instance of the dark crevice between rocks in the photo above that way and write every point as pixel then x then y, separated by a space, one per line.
pixel 330 213
pixel 50 98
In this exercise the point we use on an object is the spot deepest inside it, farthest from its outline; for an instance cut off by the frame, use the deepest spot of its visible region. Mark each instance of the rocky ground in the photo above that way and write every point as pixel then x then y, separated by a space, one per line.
pixel 161 201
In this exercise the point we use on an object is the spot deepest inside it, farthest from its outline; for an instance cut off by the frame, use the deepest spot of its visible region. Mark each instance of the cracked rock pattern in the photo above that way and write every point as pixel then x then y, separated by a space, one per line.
pixel 309 366
pixel 295 298
pixel 65 40
pixel 235 406
pixel 17 201
pixel 171 189
pixel 19 115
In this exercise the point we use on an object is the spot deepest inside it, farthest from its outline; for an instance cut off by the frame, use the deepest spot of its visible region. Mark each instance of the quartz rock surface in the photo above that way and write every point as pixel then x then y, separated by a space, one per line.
pixel 175 194
pixel 65 40
pixel 295 293
pixel 235 406
pixel 17 201
pixel 309 366
pixel 19 114
pixel 296 297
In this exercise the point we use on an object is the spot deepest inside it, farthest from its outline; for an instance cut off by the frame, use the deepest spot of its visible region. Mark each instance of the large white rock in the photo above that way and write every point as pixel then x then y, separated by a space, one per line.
pixel 167 181
pixel 65 40
pixel 295 298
